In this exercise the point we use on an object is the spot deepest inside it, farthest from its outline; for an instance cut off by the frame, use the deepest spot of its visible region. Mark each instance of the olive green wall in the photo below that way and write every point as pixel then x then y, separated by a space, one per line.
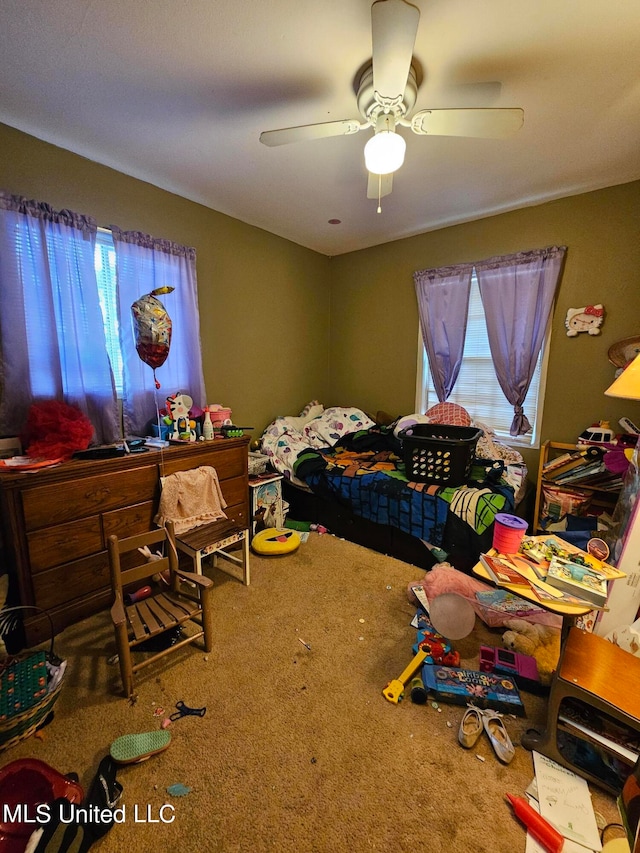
pixel 374 320
pixel 281 325
pixel 264 306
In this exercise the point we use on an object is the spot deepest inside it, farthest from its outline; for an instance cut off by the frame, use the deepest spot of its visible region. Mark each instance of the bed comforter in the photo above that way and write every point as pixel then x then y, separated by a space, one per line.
pixel 341 454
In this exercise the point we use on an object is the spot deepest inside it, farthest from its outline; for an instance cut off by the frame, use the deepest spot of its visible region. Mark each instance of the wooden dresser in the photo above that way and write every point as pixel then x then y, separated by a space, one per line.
pixel 55 522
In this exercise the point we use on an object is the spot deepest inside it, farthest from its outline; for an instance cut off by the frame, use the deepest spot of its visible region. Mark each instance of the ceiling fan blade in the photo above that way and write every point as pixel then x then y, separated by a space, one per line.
pixel 379 185
pixel 394 25
pixel 490 122
pixel 310 131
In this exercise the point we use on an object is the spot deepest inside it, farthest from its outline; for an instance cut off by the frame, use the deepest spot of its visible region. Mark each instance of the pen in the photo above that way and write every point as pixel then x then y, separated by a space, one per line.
pixel 539 828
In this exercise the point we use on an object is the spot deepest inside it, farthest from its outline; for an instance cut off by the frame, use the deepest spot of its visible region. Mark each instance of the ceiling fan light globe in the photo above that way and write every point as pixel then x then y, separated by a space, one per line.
pixel 384 152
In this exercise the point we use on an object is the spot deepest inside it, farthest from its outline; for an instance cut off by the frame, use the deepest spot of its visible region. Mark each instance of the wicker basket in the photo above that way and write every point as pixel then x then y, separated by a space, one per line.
pixel 439 453
pixel 25 698
pixel 257 463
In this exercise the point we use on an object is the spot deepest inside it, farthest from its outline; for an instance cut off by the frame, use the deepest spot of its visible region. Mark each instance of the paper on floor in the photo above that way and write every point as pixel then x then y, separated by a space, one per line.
pixel 565 802
pixel 532 845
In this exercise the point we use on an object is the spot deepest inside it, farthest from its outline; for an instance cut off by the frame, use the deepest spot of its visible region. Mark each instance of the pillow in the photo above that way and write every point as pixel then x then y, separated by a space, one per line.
pixel 408 421
pixel 449 413
pixel 311 411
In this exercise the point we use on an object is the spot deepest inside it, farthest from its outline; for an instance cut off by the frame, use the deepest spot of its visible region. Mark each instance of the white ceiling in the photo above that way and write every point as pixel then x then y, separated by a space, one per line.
pixel 176 92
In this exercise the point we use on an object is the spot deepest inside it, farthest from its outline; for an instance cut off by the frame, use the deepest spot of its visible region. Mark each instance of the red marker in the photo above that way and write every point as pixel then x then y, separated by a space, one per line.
pixel 539 828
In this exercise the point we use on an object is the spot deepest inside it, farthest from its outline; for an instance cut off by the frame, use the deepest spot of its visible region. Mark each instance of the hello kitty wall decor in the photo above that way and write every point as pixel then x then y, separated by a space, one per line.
pixel 587 319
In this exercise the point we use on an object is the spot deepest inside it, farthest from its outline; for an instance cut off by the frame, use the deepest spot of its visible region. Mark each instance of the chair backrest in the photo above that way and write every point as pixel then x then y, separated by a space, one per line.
pixel 137 567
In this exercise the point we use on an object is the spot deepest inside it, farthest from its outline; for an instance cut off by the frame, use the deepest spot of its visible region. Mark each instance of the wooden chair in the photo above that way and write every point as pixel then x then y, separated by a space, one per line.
pixel 218 540
pixel 177 605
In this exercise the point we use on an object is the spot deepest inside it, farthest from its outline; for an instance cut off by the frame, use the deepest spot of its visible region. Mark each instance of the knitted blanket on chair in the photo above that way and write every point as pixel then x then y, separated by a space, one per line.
pixel 190 499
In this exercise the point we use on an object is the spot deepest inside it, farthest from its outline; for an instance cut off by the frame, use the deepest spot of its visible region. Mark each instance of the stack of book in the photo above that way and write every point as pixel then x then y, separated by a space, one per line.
pixel 522 576
pixel 584 467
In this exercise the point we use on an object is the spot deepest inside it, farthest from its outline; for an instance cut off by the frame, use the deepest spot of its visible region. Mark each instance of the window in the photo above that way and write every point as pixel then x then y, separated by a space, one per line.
pixel 477 388
pixel 105 265
pixel 66 325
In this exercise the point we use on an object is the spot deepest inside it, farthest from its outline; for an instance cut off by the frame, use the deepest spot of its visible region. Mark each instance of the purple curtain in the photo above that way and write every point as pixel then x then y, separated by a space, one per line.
pixel 517 295
pixel 443 305
pixel 143 264
pixel 51 325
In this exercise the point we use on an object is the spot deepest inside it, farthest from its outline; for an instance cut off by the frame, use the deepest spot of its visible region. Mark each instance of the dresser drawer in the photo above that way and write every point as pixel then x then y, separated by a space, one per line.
pixel 44 506
pixel 235 491
pixel 228 462
pixel 129 521
pixel 73 580
pixel 52 546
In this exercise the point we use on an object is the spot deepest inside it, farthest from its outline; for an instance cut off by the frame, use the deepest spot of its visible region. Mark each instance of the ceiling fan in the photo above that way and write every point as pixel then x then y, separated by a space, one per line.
pixel 386 94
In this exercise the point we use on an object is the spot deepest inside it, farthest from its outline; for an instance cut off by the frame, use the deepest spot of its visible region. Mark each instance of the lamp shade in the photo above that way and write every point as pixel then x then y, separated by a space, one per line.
pixel 384 152
pixel 627 385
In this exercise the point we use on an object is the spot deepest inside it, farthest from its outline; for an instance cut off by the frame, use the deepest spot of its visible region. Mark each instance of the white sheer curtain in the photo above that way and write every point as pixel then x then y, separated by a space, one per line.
pixel 144 263
pixel 51 327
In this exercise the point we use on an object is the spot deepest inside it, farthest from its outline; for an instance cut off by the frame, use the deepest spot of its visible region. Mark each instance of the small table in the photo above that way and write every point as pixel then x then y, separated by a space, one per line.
pixel 568 612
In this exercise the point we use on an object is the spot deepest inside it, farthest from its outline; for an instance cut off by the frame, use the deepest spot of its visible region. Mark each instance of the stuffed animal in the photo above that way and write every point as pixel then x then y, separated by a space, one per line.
pixel 539 641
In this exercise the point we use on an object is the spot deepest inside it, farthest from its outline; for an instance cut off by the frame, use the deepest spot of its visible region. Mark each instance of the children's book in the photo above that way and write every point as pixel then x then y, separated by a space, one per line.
pixel 578 580
pixel 561 462
pixel 463 686
pixel 501 572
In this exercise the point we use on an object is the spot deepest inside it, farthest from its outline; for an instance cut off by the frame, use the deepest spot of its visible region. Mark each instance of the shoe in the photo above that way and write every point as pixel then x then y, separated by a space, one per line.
pixel 131 749
pixel 66 829
pixel 470 727
pixel 498 735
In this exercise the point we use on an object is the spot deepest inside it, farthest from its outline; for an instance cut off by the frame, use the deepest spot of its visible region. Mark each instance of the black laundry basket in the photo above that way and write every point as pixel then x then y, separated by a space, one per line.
pixel 439 453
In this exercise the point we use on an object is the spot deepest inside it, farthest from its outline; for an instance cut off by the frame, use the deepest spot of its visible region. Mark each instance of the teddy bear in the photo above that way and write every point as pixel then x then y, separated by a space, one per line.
pixel 538 641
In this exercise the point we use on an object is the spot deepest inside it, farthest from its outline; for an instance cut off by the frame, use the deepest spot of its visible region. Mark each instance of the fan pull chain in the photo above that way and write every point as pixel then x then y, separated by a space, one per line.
pixel 379 193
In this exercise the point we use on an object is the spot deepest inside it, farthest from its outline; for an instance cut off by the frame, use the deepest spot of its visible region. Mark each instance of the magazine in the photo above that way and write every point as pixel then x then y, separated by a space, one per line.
pixel 507 602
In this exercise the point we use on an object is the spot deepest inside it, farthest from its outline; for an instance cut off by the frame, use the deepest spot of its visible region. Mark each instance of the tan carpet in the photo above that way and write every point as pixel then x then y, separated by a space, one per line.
pixel 298 750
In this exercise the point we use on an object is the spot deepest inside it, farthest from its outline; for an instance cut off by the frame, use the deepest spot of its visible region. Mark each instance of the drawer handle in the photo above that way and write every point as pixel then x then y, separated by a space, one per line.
pixel 97 496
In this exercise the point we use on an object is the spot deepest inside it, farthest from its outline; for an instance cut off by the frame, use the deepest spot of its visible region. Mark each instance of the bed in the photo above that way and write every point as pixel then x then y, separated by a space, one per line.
pixel 346 471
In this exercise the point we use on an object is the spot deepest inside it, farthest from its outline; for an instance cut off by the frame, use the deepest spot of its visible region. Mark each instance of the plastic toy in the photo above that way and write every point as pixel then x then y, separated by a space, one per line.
pixel 522 668
pixel 599 434
pixel 231 430
pixel 394 690
pixel 439 653
pixel 275 541
pixel 183 428
pixel 544 833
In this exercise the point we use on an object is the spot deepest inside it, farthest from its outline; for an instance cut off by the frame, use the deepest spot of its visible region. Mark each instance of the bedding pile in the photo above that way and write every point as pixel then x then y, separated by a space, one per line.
pixel 341 454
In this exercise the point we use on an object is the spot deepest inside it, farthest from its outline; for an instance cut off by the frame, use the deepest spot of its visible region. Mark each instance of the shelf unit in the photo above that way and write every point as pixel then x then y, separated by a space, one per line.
pixel 604 499
pixel 593 720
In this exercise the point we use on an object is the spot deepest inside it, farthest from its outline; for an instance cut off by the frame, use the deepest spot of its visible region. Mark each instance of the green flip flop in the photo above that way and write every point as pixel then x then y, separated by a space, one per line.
pixel 131 749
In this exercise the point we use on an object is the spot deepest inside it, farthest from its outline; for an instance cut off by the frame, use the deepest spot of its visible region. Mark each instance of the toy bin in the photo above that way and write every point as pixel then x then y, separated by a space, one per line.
pixel 439 453
pixel 220 416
